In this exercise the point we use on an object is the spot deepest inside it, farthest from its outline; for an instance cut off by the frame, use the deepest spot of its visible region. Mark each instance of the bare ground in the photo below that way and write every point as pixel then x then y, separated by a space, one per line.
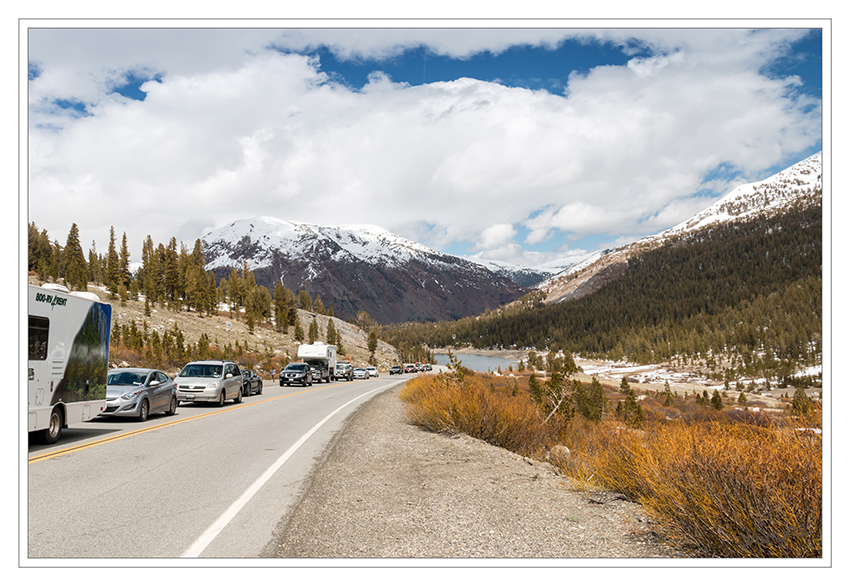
pixel 392 490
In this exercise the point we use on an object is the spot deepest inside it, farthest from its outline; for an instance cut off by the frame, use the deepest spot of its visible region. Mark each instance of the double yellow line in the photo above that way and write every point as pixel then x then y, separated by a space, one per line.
pixel 113 438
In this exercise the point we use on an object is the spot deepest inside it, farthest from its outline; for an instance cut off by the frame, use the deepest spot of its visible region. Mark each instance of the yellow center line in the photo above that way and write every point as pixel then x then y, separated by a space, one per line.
pixel 112 438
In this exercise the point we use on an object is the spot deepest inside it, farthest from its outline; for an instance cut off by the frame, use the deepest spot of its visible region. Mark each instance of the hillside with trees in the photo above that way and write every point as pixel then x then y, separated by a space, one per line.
pixel 170 310
pixel 741 298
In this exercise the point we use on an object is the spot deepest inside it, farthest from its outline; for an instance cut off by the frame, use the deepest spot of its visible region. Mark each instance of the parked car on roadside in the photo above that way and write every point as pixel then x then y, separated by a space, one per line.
pixel 139 392
pixel 210 381
pixel 396 369
pixel 372 371
pixel 360 373
pixel 252 383
pixel 344 370
pixel 296 373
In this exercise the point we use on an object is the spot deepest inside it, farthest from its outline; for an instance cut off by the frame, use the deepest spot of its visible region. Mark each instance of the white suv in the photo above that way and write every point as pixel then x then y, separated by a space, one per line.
pixel 211 381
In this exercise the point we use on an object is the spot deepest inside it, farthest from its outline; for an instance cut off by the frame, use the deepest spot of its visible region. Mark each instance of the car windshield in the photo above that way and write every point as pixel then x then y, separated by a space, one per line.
pixel 126 379
pixel 201 371
pixel 298 366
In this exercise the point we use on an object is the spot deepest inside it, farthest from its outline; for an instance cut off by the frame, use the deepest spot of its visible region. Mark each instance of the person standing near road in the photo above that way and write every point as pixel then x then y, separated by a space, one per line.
pixel 274 374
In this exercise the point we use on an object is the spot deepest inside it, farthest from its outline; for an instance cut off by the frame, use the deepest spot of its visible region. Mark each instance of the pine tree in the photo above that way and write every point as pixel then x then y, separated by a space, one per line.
pixel 76 270
pixel 372 343
pixel 717 400
pixel 331 334
pixel 124 263
pixel 305 301
pixel 113 270
pixel 313 332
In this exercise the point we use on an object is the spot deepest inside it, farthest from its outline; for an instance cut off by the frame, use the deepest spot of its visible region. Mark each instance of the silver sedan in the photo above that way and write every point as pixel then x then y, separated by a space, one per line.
pixel 138 392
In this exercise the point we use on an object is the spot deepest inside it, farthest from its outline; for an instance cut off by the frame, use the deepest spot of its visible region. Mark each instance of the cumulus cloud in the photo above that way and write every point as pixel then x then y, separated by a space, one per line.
pixel 248 130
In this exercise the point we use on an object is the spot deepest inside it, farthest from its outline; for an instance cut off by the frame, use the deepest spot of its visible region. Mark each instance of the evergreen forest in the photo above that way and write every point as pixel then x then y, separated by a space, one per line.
pixel 742 298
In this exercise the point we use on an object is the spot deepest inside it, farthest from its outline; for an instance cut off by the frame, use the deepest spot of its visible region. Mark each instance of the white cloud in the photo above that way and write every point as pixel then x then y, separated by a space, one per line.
pixel 235 130
pixel 496 236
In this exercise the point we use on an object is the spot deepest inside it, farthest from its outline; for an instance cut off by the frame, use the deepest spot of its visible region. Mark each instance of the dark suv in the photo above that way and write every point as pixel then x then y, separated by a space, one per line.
pixel 296 373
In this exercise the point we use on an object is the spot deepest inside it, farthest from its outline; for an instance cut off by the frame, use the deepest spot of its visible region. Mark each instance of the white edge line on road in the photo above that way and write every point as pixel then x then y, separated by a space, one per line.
pixel 213 530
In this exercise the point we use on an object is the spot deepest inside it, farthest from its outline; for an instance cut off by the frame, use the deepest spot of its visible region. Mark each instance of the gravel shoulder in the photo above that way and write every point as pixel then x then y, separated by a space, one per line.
pixel 391 490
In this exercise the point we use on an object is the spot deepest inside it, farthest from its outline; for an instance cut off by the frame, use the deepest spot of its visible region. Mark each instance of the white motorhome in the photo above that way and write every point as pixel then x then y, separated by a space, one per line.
pixel 68 359
pixel 321 357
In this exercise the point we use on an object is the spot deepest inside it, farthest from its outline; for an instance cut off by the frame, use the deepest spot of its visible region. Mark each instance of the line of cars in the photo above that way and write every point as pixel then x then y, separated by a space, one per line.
pixel 305 374
pixel 409 368
pixel 141 392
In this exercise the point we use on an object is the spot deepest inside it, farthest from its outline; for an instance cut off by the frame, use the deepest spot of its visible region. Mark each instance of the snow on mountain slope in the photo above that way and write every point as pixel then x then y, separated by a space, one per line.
pixel 266 236
pixel 801 182
pixel 769 195
pixel 358 268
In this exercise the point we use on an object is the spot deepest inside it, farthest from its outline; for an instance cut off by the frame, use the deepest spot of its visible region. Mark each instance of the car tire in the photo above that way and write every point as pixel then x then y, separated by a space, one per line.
pixel 220 402
pixel 238 398
pixel 51 434
pixel 172 407
pixel 144 410
pixel 260 392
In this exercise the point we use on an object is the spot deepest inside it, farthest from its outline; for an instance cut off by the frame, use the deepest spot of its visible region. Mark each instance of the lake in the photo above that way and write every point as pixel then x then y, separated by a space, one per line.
pixel 479 363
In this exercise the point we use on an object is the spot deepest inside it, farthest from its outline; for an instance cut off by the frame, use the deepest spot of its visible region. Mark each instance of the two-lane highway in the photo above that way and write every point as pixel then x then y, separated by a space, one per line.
pixel 206 482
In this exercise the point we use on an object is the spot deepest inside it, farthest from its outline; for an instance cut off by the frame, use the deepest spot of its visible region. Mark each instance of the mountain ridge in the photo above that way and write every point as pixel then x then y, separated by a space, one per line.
pixel 358 268
pixel 797 183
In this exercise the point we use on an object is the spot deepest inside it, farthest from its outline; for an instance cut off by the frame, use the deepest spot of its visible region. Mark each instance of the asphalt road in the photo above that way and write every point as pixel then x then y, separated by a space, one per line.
pixel 206 482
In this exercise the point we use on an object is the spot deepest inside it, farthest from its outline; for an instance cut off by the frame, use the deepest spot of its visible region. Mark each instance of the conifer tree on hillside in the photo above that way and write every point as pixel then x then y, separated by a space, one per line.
pixel 372 345
pixel 313 333
pixel 76 269
pixel 124 262
pixel 281 318
pixel 113 270
pixel 305 301
pixel 171 278
pixel 331 334
pixel 94 272
pixel 39 250
pixel 234 291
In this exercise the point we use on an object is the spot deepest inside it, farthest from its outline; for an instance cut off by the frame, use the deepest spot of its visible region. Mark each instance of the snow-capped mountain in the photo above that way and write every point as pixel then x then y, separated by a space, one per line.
pixel 534 276
pixel 358 268
pixel 802 181
pixel 799 184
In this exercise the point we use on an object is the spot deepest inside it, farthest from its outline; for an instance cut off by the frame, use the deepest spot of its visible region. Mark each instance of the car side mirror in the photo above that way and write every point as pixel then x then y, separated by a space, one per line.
pixel 154 383
pixel 228 375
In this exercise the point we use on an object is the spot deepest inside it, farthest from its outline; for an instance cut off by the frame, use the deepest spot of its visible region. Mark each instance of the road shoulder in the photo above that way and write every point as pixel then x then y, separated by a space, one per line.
pixel 391 490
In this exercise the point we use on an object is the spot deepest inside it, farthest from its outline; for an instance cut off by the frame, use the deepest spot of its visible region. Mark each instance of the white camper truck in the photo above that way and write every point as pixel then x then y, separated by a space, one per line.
pixel 68 359
pixel 320 357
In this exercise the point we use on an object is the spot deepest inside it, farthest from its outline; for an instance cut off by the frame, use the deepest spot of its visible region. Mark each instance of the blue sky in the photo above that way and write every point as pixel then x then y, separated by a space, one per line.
pixel 515 144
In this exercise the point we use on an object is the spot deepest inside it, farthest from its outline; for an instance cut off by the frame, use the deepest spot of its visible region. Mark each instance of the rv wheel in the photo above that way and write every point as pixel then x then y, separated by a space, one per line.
pixel 54 429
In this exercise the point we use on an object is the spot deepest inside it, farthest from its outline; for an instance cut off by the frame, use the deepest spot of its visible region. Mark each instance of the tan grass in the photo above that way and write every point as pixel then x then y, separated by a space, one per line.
pixel 716 485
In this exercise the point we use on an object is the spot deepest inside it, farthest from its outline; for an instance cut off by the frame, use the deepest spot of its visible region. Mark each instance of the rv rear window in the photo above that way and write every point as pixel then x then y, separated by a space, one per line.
pixel 39 329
